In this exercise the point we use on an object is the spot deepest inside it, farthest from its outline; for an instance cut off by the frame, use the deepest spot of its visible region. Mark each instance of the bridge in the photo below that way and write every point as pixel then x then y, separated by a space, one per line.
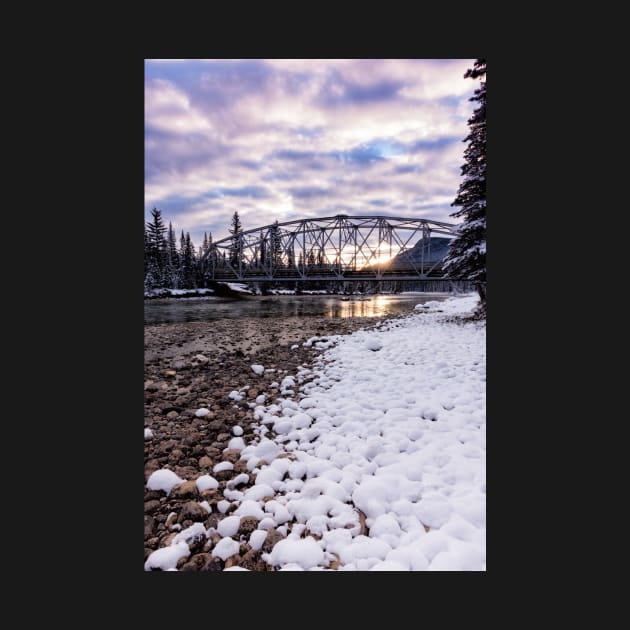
pixel 339 248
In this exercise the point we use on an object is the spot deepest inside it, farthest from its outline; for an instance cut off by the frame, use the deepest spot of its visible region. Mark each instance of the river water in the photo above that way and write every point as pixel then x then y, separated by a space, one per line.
pixel 178 310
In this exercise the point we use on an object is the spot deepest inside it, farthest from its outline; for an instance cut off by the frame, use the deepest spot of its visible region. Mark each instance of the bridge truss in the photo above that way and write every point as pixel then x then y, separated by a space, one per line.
pixel 338 248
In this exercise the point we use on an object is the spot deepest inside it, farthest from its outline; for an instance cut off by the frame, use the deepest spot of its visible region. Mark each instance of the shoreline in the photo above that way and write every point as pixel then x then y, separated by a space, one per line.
pixel 193 365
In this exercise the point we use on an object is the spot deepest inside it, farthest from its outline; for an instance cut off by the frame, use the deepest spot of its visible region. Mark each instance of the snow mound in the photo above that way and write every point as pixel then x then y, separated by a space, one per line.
pixel 221 466
pixel 373 344
pixel 229 526
pixel 258 369
pixel 304 552
pixel 163 479
pixel 225 548
pixel 167 558
pixel 206 482
pixel 148 434
pixel 202 413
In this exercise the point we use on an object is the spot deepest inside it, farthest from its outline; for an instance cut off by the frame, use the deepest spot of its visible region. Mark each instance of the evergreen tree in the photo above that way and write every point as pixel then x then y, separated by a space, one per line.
pixel 466 258
pixel 276 246
pixel 188 265
pixel 263 249
pixel 156 252
pixel 235 230
pixel 172 264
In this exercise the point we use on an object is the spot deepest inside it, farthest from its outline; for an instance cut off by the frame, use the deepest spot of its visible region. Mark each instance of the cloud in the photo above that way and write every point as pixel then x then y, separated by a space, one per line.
pixel 293 138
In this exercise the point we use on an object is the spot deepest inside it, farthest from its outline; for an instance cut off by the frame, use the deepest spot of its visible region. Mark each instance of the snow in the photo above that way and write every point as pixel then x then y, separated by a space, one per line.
pixel 225 548
pixel 201 413
pixel 235 396
pixel 191 535
pixel 304 552
pixel 258 369
pixel 166 558
pixel 148 434
pixel 223 506
pixel 373 344
pixel 221 466
pixel 237 431
pixel 236 443
pixel 250 508
pixel 229 526
pixel 257 539
pixel 206 482
pixel 163 479
pixel 389 421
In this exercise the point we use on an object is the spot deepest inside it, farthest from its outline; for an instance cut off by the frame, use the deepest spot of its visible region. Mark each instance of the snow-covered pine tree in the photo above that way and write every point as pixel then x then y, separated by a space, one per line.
pixel 466 258
pixel 235 229
pixel 172 264
pixel 156 243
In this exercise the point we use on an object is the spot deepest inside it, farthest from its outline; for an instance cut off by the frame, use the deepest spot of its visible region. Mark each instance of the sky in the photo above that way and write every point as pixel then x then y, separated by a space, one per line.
pixel 286 139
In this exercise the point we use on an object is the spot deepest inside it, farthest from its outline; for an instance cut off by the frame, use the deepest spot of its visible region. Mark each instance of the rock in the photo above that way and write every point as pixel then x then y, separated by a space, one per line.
pixel 175 455
pixel 170 373
pixel 233 561
pixel 214 425
pixel 171 520
pixel 151 506
pixel 273 537
pixel 253 561
pixel 241 467
pixel 231 455
pixel 205 462
pixel 223 475
pixel 248 525
pixel 186 489
pixel 211 495
pixel 223 437
pixel 172 414
pixel 187 472
pixel 214 564
pixel 197 562
pixel 149 524
pixel 150 467
pixel 213 452
pixel 193 511
pixel 212 521
pixel 150 386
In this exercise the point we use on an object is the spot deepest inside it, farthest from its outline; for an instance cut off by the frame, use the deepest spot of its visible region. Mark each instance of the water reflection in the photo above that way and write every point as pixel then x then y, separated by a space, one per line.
pixel 173 310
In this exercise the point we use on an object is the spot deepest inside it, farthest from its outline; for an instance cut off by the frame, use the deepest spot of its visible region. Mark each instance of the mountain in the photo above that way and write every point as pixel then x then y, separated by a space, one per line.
pixel 435 249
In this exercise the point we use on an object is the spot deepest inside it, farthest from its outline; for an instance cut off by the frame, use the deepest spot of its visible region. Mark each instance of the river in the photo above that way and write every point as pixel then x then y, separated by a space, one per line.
pixel 180 310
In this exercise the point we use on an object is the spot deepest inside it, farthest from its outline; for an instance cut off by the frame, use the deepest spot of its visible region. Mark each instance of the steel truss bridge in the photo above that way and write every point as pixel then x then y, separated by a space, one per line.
pixel 340 248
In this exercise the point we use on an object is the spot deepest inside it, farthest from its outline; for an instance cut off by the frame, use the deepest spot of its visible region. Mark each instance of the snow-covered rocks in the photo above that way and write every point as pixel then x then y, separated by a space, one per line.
pixel 148 434
pixel 221 466
pixel 237 431
pixel 206 482
pixel 167 558
pixel 225 548
pixel 202 413
pixel 258 369
pixel 229 526
pixel 163 479
pixel 304 552
pixel 374 344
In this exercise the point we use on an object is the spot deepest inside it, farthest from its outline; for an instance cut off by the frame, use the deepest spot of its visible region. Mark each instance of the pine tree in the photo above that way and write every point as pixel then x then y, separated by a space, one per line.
pixel 156 252
pixel 235 230
pixel 276 246
pixel 172 264
pixel 466 258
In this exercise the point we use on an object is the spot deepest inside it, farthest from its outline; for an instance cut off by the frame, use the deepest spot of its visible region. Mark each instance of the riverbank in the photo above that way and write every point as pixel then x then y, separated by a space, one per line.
pixel 399 403
pixel 195 365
